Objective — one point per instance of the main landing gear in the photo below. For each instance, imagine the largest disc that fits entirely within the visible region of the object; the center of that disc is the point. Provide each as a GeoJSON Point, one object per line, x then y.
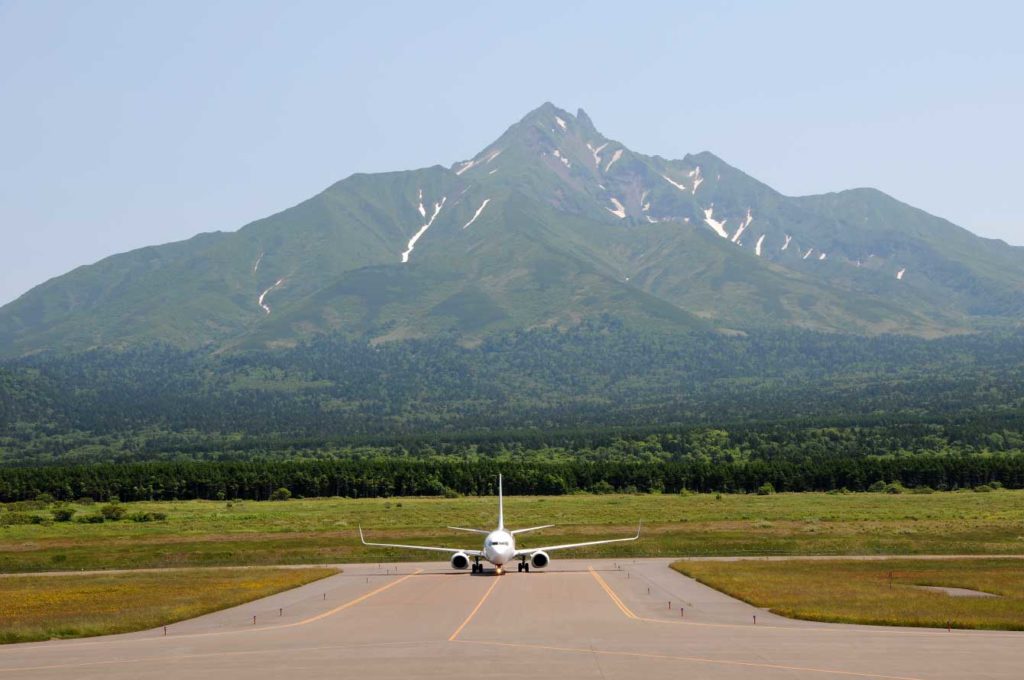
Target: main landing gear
{"type": "Point", "coordinates": [477, 567]}
{"type": "Point", "coordinates": [524, 566]}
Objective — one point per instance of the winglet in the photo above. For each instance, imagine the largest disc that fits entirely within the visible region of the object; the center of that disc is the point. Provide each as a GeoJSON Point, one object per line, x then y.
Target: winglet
{"type": "Point", "coordinates": [361, 535]}
{"type": "Point", "coordinates": [639, 526]}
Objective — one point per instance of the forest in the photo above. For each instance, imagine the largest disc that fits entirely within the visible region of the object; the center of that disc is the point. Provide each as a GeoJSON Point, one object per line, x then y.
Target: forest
{"type": "Point", "coordinates": [597, 407]}
{"type": "Point", "coordinates": [158, 402]}
{"type": "Point", "coordinates": [437, 476]}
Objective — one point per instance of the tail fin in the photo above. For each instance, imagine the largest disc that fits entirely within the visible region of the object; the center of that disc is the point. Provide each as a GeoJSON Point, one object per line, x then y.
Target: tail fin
{"type": "Point", "coordinates": [501, 506]}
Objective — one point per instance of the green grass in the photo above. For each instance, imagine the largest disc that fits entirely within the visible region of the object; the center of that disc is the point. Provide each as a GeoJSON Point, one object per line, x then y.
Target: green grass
{"type": "Point", "coordinates": [848, 591]}
{"type": "Point", "coordinates": [82, 605]}
{"type": "Point", "coordinates": [207, 533]}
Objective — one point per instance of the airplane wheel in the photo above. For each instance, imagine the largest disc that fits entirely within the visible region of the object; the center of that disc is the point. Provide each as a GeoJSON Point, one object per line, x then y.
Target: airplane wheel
{"type": "Point", "coordinates": [519, 567]}
{"type": "Point", "coordinates": [526, 567]}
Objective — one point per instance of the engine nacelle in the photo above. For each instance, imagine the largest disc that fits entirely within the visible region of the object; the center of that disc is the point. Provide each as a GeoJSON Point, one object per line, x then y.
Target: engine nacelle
{"type": "Point", "coordinates": [460, 561]}
{"type": "Point", "coordinates": [539, 559]}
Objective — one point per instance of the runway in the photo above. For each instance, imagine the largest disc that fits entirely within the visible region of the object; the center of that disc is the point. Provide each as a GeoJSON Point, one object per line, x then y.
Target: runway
{"type": "Point", "coordinates": [579, 618]}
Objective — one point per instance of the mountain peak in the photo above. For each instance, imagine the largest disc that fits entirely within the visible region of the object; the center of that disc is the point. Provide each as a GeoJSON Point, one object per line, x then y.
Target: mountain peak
{"type": "Point", "coordinates": [550, 224]}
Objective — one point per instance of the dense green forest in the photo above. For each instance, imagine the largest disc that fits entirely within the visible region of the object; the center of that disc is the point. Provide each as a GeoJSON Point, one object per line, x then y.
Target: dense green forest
{"type": "Point", "coordinates": [436, 475]}
{"type": "Point", "coordinates": [566, 389]}
{"type": "Point", "coordinates": [597, 408]}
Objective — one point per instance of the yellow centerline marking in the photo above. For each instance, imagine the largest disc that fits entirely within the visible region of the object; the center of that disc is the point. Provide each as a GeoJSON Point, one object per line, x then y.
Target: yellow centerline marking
{"type": "Point", "coordinates": [611, 593]}
{"type": "Point", "coordinates": [692, 659]}
{"type": "Point", "coordinates": [839, 628]}
{"type": "Point", "coordinates": [475, 610]}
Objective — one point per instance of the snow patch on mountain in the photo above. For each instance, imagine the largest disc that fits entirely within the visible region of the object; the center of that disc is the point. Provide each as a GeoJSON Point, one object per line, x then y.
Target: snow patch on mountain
{"type": "Point", "coordinates": [493, 155]}
{"type": "Point", "coordinates": [743, 227]}
{"type": "Point", "coordinates": [789, 239]}
{"type": "Point", "coordinates": [256, 266]}
{"type": "Point", "coordinates": [465, 166]}
{"type": "Point", "coordinates": [561, 123]}
{"type": "Point", "coordinates": [698, 179]}
{"type": "Point", "coordinates": [759, 244]}
{"type": "Point", "coordinates": [900, 273]}
{"type": "Point", "coordinates": [644, 204]}
{"type": "Point", "coordinates": [265, 307]}
{"type": "Point", "coordinates": [823, 257]}
{"type": "Point", "coordinates": [596, 153]}
{"type": "Point", "coordinates": [423, 229]}
{"type": "Point", "coordinates": [808, 253]}
{"type": "Point", "coordinates": [620, 210]}
{"type": "Point", "coordinates": [423, 211]}
{"type": "Point", "coordinates": [674, 183]}
{"type": "Point", "coordinates": [477, 213]}
{"type": "Point", "coordinates": [565, 161]}
{"type": "Point", "coordinates": [615, 156]}
{"type": "Point", "coordinates": [719, 227]}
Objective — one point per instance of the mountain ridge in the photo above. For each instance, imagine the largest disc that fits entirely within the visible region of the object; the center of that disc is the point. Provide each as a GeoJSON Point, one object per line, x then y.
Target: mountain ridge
{"type": "Point", "coordinates": [549, 224]}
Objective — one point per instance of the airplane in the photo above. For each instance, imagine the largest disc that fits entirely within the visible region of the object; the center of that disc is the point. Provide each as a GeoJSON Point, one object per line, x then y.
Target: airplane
{"type": "Point", "coordinates": [500, 546]}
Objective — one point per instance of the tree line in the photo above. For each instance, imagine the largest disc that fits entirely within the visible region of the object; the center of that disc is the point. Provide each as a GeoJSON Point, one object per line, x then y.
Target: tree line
{"type": "Point", "coordinates": [435, 476]}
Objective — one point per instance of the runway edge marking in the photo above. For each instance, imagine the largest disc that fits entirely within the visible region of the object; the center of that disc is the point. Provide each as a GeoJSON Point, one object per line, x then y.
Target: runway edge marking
{"type": "Point", "coordinates": [479, 604]}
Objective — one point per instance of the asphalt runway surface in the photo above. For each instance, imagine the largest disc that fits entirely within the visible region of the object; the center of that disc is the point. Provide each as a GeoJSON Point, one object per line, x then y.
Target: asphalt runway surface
{"type": "Point", "coordinates": [579, 618]}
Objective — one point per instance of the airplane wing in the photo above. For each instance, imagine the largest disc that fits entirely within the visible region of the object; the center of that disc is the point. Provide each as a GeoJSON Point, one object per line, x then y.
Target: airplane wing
{"type": "Point", "coordinates": [450, 551]}
{"type": "Point", "coordinates": [523, 531]}
{"type": "Point", "coordinates": [549, 548]}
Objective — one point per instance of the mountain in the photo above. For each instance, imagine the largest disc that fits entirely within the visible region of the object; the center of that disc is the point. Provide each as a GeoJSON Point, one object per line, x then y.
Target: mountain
{"type": "Point", "coordinates": [550, 225]}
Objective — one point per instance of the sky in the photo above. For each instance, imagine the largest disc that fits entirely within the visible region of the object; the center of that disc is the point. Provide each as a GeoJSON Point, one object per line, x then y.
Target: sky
{"type": "Point", "coordinates": [125, 124]}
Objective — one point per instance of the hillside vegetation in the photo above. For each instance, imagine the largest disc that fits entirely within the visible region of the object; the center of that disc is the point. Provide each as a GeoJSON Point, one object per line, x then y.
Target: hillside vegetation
{"type": "Point", "coordinates": [570, 390]}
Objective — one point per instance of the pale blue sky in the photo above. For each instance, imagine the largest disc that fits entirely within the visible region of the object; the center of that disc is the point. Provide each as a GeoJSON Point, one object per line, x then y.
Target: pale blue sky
{"type": "Point", "coordinates": [125, 124]}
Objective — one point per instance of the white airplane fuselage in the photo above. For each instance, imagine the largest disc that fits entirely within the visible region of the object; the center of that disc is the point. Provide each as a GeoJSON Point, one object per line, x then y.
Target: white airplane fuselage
{"type": "Point", "coordinates": [499, 547]}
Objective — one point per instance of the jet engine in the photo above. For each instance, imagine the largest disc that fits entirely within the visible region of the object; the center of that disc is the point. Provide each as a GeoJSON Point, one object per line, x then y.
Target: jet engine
{"type": "Point", "coordinates": [539, 559]}
{"type": "Point", "coordinates": [460, 561]}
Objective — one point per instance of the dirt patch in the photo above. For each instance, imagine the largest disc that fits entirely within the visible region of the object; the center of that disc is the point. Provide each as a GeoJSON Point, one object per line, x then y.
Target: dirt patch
{"type": "Point", "coordinates": [956, 592]}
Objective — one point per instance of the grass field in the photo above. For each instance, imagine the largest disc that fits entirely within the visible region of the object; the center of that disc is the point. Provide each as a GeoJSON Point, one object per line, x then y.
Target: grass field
{"type": "Point", "coordinates": [67, 606]}
{"type": "Point", "coordinates": [862, 591]}
{"type": "Point", "coordinates": [208, 533]}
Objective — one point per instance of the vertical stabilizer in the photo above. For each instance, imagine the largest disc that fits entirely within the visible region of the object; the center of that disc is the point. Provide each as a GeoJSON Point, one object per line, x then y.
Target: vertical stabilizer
{"type": "Point", "coordinates": [501, 506]}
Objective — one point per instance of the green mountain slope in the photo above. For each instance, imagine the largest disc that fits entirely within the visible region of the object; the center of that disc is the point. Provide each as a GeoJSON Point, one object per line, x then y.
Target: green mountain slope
{"type": "Point", "coordinates": [548, 226]}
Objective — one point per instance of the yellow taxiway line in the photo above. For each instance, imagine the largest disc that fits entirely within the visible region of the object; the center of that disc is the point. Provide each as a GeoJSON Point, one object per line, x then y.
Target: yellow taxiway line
{"type": "Point", "coordinates": [479, 604]}
{"type": "Point", "coordinates": [350, 603]}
